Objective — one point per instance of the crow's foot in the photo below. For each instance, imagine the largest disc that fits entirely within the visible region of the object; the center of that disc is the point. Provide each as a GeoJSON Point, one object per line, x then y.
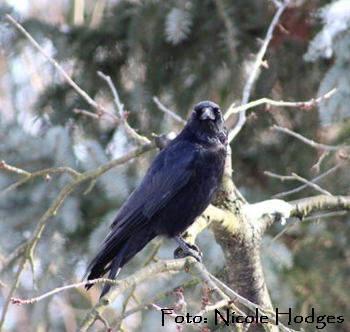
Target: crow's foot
{"type": "Point", "coordinates": [187, 249]}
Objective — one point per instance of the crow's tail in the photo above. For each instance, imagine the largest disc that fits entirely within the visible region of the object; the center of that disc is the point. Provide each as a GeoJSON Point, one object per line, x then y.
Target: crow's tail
{"type": "Point", "coordinates": [115, 254]}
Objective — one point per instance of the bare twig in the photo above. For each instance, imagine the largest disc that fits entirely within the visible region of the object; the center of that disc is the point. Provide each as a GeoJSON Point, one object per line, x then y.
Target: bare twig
{"type": "Point", "coordinates": [255, 70]}
{"type": "Point", "coordinates": [32, 300]}
{"type": "Point", "coordinates": [308, 105]}
{"type": "Point", "coordinates": [99, 108]}
{"type": "Point", "coordinates": [52, 210]}
{"type": "Point", "coordinates": [13, 256]}
{"type": "Point", "coordinates": [316, 179]}
{"type": "Point", "coordinates": [316, 167]}
{"type": "Point", "coordinates": [147, 272]}
{"type": "Point", "coordinates": [168, 111]}
{"type": "Point", "coordinates": [297, 177]}
{"type": "Point", "coordinates": [122, 116]}
{"type": "Point", "coordinates": [13, 169]}
{"type": "Point", "coordinates": [247, 303]}
{"type": "Point", "coordinates": [29, 176]}
{"type": "Point", "coordinates": [327, 215]}
{"type": "Point", "coordinates": [310, 142]}
{"type": "Point", "coordinates": [279, 177]}
{"type": "Point", "coordinates": [96, 116]}
{"type": "Point", "coordinates": [146, 304]}
{"type": "Point", "coordinates": [312, 185]}
{"type": "Point", "coordinates": [14, 285]}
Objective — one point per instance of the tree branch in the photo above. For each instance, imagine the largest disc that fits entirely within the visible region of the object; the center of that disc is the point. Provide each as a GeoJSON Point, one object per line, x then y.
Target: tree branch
{"type": "Point", "coordinates": [307, 206]}
{"type": "Point", "coordinates": [316, 179]}
{"type": "Point", "coordinates": [310, 142]}
{"type": "Point", "coordinates": [307, 105]}
{"type": "Point", "coordinates": [255, 71]}
{"type": "Point", "coordinates": [297, 177]}
{"type": "Point", "coordinates": [26, 176]}
{"type": "Point", "coordinates": [134, 279]}
{"type": "Point", "coordinates": [16, 300]}
{"type": "Point", "coordinates": [168, 111]}
{"type": "Point", "coordinates": [52, 210]}
{"type": "Point", "coordinates": [267, 212]}
{"type": "Point", "coordinates": [122, 116]}
{"type": "Point", "coordinates": [99, 108]}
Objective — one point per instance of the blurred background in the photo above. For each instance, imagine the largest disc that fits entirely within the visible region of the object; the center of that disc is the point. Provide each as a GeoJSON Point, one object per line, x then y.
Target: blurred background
{"type": "Point", "coordinates": [181, 52]}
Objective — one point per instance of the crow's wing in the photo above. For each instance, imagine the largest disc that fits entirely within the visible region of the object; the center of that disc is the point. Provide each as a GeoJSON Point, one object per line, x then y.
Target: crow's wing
{"type": "Point", "coordinates": [168, 174]}
{"type": "Point", "coordinates": [130, 232]}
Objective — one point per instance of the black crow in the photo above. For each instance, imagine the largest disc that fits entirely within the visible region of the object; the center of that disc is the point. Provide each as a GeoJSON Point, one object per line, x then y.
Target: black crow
{"type": "Point", "coordinates": [176, 189]}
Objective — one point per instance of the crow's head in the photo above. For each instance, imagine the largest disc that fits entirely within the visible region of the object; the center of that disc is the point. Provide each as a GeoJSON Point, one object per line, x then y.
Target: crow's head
{"type": "Point", "coordinates": [206, 119]}
{"type": "Point", "coordinates": [207, 111]}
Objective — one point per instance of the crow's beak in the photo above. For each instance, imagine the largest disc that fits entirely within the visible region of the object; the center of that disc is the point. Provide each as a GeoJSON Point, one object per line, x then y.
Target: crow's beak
{"type": "Point", "coordinates": [207, 114]}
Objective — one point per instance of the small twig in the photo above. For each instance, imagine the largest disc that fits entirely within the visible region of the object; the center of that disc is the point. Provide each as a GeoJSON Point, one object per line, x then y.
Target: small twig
{"type": "Point", "coordinates": [316, 167]}
{"type": "Point", "coordinates": [307, 105]}
{"type": "Point", "coordinates": [13, 169]}
{"type": "Point", "coordinates": [120, 108]}
{"type": "Point", "coordinates": [29, 176]}
{"type": "Point", "coordinates": [255, 71]}
{"type": "Point", "coordinates": [15, 300]}
{"type": "Point", "coordinates": [293, 191]}
{"type": "Point", "coordinates": [104, 322]}
{"type": "Point", "coordinates": [159, 308]}
{"type": "Point", "coordinates": [147, 272]}
{"type": "Point", "coordinates": [13, 256]}
{"type": "Point", "coordinates": [279, 177]}
{"type": "Point", "coordinates": [310, 184]}
{"type": "Point", "coordinates": [147, 261]}
{"type": "Point", "coordinates": [247, 303]}
{"type": "Point", "coordinates": [168, 111]}
{"type": "Point", "coordinates": [148, 303]}
{"type": "Point", "coordinates": [52, 210]}
{"type": "Point", "coordinates": [284, 230]}
{"type": "Point", "coordinates": [99, 108]}
{"type": "Point", "coordinates": [327, 215]}
{"type": "Point", "coordinates": [96, 116]}
{"type": "Point", "coordinates": [308, 141]}
{"type": "Point", "coordinates": [297, 177]}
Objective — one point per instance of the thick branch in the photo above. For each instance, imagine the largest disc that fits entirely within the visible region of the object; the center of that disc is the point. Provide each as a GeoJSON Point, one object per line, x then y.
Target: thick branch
{"type": "Point", "coordinates": [267, 212]}
{"type": "Point", "coordinates": [321, 203]}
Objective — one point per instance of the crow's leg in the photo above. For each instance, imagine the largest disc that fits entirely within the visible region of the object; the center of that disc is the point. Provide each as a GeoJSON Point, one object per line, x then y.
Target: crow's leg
{"type": "Point", "coordinates": [186, 249]}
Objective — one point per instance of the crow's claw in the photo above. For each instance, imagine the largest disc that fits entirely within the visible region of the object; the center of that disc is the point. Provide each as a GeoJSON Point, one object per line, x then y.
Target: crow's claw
{"type": "Point", "coordinates": [180, 253]}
